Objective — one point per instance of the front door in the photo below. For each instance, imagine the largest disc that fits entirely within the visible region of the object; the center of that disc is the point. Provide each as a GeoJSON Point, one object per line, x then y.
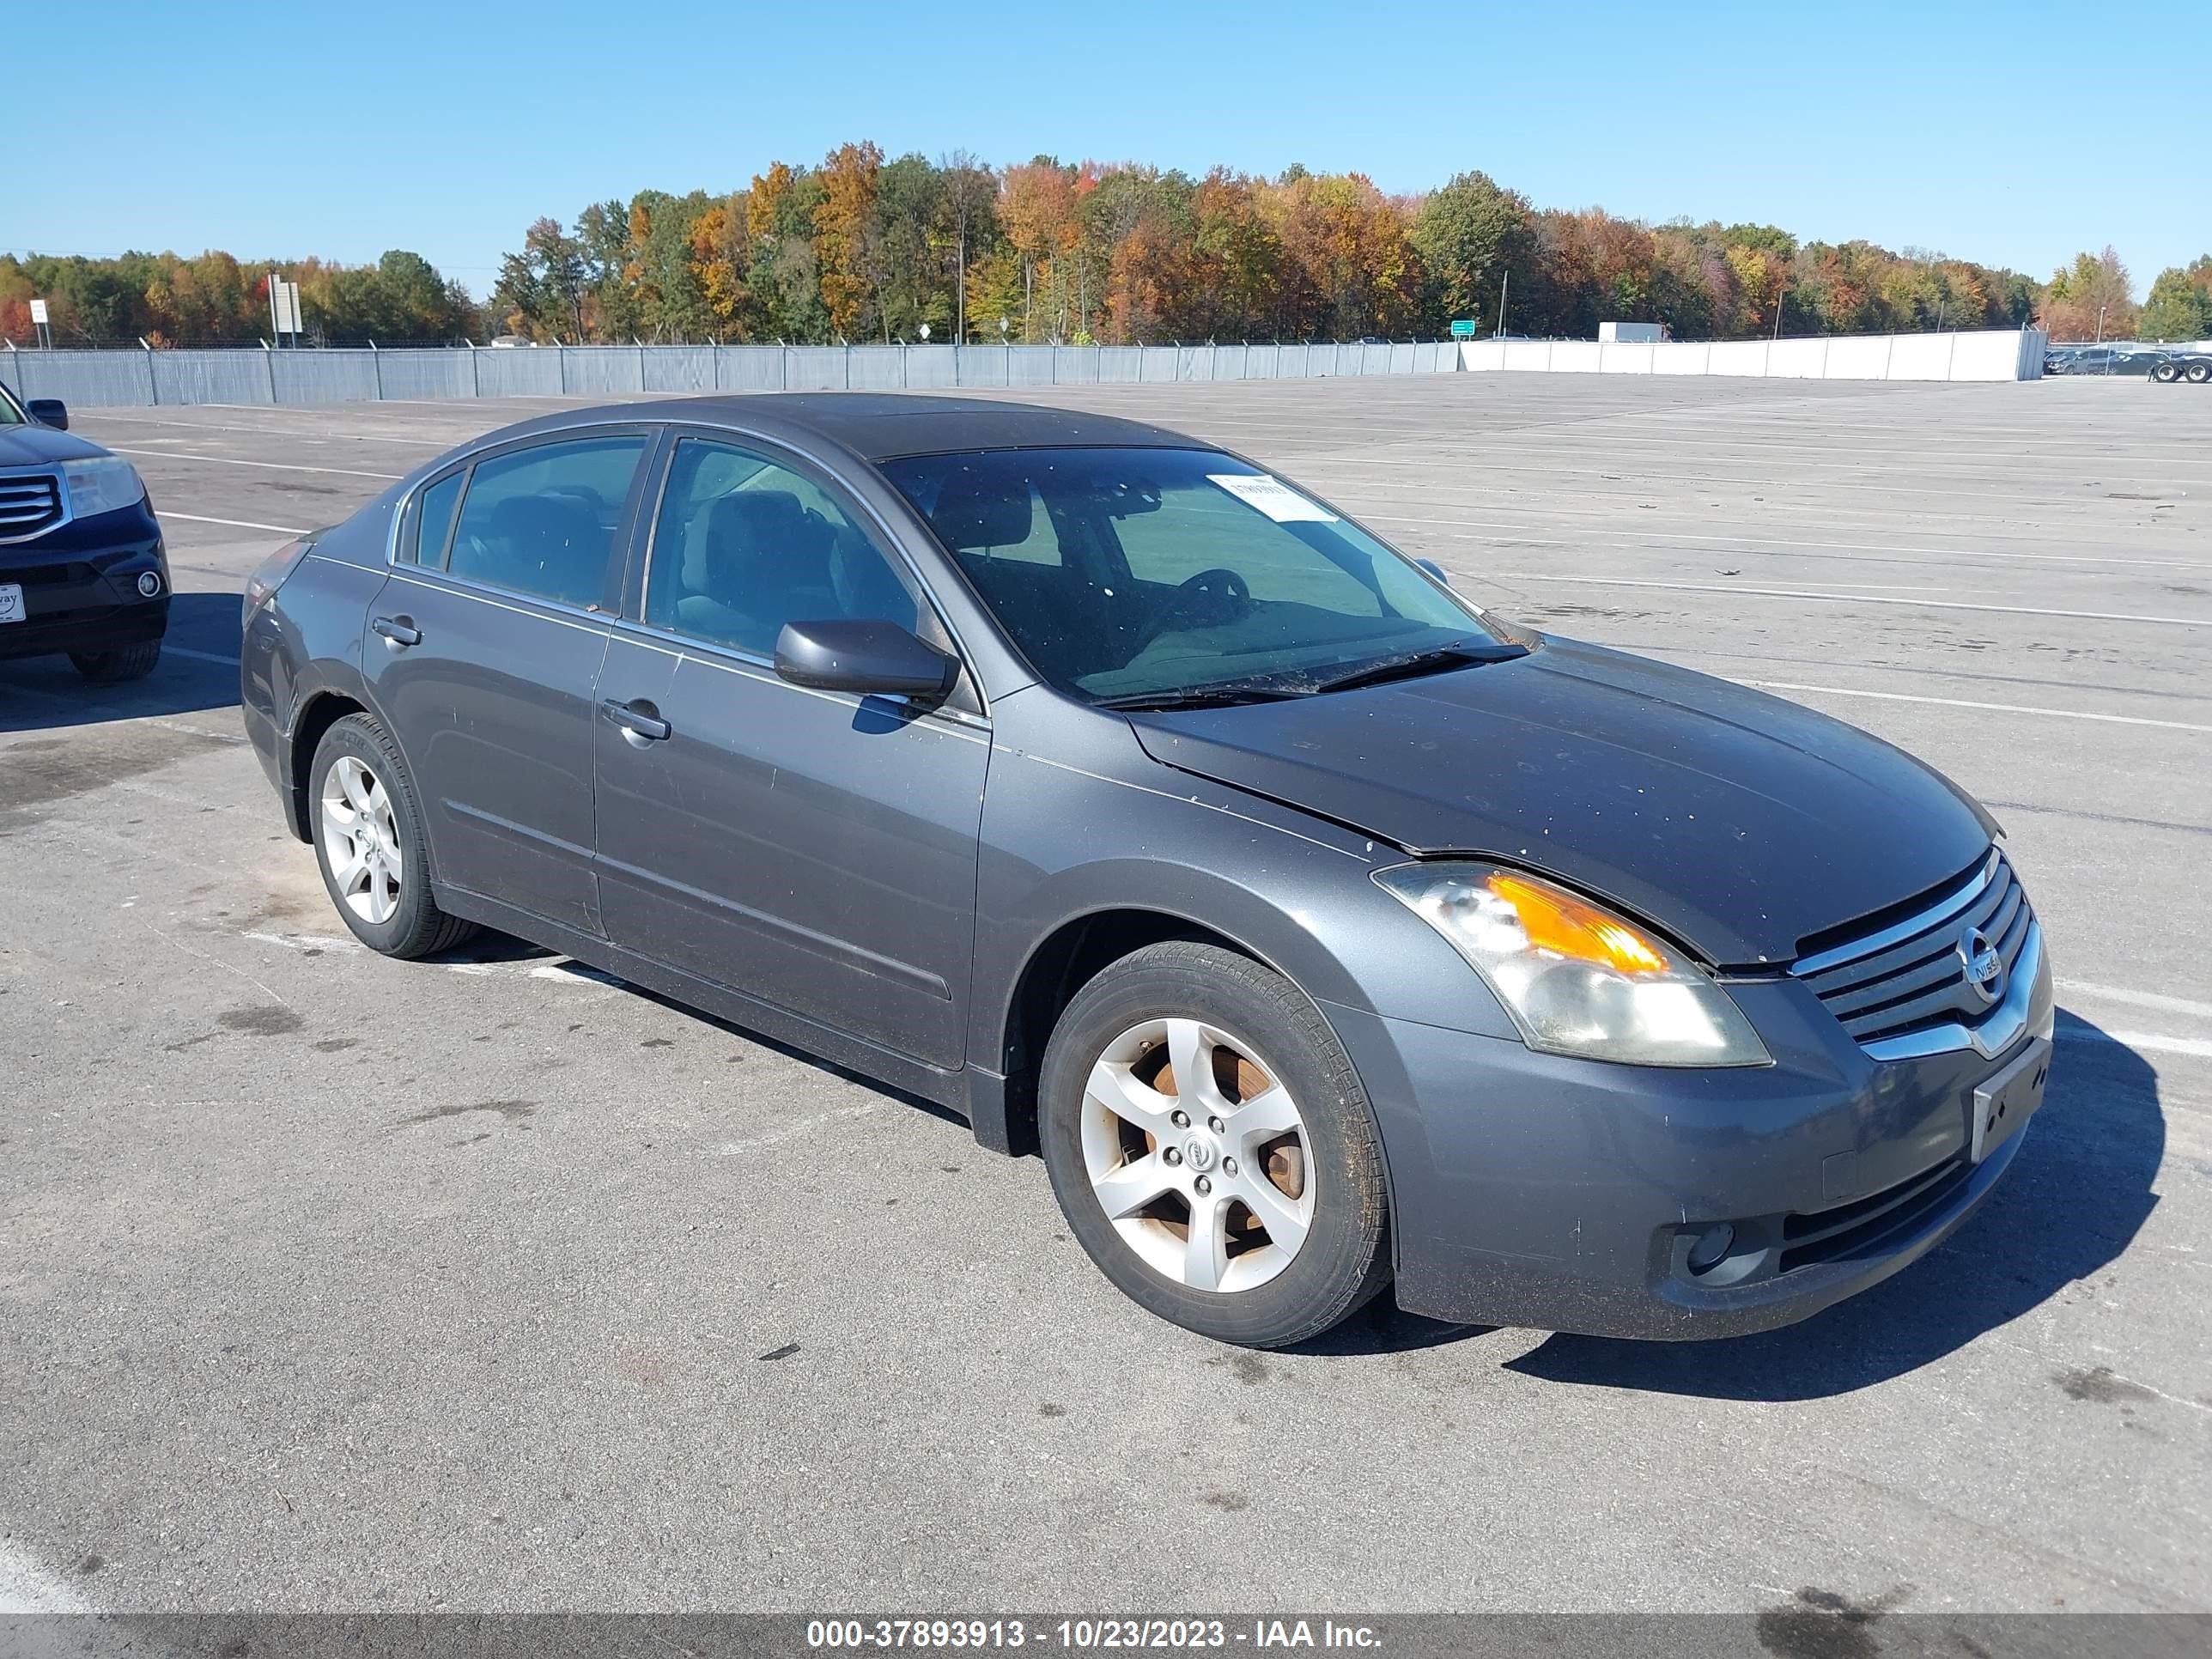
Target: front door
{"type": "Point", "coordinates": [484, 650]}
{"type": "Point", "coordinates": [811, 849]}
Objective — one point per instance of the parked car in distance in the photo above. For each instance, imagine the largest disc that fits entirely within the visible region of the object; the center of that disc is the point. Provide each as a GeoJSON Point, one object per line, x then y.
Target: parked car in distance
{"type": "Point", "coordinates": [82, 571]}
{"type": "Point", "coordinates": [2103, 360]}
{"type": "Point", "coordinates": [1322, 930]}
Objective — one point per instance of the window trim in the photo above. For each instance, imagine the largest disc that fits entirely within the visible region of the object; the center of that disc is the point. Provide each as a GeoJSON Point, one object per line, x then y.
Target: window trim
{"type": "Point", "coordinates": [638, 581]}
{"type": "Point", "coordinates": [619, 549]}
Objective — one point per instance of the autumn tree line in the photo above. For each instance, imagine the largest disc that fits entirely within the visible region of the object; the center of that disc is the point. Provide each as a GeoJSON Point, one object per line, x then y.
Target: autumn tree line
{"type": "Point", "coordinates": [861, 248]}
{"type": "Point", "coordinates": [215, 300]}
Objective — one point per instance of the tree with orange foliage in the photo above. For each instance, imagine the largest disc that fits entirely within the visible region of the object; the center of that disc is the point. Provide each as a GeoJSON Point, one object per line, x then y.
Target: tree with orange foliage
{"type": "Point", "coordinates": [1036, 204]}
{"type": "Point", "coordinates": [844, 232]}
{"type": "Point", "coordinates": [1350, 268]}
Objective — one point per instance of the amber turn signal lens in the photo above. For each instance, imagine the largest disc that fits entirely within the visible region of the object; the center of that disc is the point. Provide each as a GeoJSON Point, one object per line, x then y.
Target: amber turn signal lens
{"type": "Point", "coordinates": [1557, 921]}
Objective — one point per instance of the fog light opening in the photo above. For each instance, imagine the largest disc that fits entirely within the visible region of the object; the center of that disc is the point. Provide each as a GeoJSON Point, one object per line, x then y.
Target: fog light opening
{"type": "Point", "coordinates": [149, 584]}
{"type": "Point", "coordinates": [1712, 1248]}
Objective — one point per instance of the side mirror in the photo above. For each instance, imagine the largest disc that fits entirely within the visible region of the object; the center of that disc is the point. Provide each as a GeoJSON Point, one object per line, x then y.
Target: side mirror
{"type": "Point", "coordinates": [48, 411]}
{"type": "Point", "coordinates": [866, 657]}
{"type": "Point", "coordinates": [1434, 569]}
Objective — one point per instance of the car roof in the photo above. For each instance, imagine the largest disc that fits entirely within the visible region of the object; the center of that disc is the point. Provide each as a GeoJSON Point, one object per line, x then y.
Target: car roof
{"type": "Point", "coordinates": [881, 426]}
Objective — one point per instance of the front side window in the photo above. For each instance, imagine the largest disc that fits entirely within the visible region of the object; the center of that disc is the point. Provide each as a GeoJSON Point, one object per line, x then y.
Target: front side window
{"type": "Point", "coordinates": [1126, 573]}
{"type": "Point", "coordinates": [742, 545]}
{"type": "Point", "coordinates": [542, 521]}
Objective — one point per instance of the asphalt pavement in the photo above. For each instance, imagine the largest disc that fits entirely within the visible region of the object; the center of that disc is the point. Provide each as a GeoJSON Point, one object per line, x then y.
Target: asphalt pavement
{"type": "Point", "coordinates": [331, 1283]}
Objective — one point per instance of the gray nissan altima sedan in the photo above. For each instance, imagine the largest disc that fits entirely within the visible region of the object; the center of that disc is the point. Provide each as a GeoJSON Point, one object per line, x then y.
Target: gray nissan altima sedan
{"type": "Point", "coordinates": [1322, 930]}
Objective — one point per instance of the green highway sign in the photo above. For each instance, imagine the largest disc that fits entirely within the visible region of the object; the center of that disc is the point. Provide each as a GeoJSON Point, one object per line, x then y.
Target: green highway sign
{"type": "Point", "coordinates": [1462, 328]}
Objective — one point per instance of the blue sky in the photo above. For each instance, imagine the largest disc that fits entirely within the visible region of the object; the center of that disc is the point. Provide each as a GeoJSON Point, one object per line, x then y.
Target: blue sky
{"type": "Point", "coordinates": [2014, 134]}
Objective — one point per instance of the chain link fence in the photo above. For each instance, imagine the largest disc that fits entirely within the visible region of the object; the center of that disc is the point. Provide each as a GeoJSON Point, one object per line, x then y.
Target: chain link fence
{"type": "Point", "coordinates": [122, 378]}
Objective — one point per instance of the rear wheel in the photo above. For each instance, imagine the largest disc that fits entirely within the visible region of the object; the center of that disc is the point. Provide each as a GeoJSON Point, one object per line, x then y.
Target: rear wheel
{"type": "Point", "coordinates": [124, 662]}
{"type": "Point", "coordinates": [2199, 372]}
{"type": "Point", "coordinates": [368, 840]}
{"type": "Point", "coordinates": [1211, 1148]}
{"type": "Point", "coordinates": [2165, 374]}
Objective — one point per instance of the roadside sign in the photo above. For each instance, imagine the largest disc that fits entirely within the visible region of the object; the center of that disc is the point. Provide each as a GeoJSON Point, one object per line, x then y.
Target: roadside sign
{"type": "Point", "coordinates": [1462, 328]}
{"type": "Point", "coordinates": [38, 310]}
{"type": "Point", "coordinates": [283, 306]}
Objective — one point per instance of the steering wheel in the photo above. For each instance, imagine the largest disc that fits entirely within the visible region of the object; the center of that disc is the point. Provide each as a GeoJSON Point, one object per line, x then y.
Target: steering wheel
{"type": "Point", "coordinates": [1214, 596]}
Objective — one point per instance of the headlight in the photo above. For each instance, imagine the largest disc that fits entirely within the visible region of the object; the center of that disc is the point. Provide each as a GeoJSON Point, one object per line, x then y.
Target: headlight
{"type": "Point", "coordinates": [1577, 978]}
{"type": "Point", "coordinates": [102, 484]}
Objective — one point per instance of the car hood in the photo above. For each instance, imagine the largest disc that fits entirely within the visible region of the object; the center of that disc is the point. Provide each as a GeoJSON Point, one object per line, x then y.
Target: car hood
{"type": "Point", "coordinates": [42, 446]}
{"type": "Point", "coordinates": [1737, 822]}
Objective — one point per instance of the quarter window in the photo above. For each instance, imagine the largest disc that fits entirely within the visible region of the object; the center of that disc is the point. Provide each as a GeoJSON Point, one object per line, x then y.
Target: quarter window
{"type": "Point", "coordinates": [425, 541]}
{"type": "Point", "coordinates": [742, 545]}
{"type": "Point", "coordinates": [542, 521]}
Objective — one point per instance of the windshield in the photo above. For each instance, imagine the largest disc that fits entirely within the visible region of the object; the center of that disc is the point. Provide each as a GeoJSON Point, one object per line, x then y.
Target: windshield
{"type": "Point", "coordinates": [1129, 573]}
{"type": "Point", "coordinates": [11, 414]}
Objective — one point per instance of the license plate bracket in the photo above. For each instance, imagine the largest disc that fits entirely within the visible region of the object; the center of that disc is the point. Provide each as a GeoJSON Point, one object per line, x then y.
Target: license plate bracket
{"type": "Point", "coordinates": [2004, 1103]}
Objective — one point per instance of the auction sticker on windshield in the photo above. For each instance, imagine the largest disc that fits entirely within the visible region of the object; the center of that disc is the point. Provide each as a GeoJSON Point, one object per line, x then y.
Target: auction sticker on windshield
{"type": "Point", "coordinates": [11, 602]}
{"type": "Point", "coordinates": [1273, 497]}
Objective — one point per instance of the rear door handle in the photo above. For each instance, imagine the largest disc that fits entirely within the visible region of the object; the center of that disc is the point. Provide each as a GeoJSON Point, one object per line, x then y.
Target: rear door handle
{"type": "Point", "coordinates": [399, 631]}
{"type": "Point", "coordinates": [639, 719]}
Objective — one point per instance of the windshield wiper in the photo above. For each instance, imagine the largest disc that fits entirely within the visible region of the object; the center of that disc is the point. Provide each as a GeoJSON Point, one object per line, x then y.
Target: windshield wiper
{"type": "Point", "coordinates": [1412, 663]}
{"type": "Point", "coordinates": [1203, 696]}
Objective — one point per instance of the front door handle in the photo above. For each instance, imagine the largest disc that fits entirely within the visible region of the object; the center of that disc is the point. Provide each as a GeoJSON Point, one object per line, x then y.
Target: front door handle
{"type": "Point", "coordinates": [638, 718]}
{"type": "Point", "coordinates": [399, 631]}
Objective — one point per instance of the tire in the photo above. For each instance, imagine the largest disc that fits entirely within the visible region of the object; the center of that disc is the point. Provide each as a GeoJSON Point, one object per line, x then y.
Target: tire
{"type": "Point", "coordinates": [382, 892]}
{"type": "Point", "coordinates": [1319, 1183]}
{"type": "Point", "coordinates": [2166, 373]}
{"type": "Point", "coordinates": [2198, 374]}
{"type": "Point", "coordinates": [124, 662]}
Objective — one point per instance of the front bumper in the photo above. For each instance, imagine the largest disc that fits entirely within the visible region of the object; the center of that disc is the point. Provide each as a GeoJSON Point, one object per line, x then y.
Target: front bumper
{"type": "Point", "coordinates": [81, 586]}
{"type": "Point", "coordinates": [1569, 1195]}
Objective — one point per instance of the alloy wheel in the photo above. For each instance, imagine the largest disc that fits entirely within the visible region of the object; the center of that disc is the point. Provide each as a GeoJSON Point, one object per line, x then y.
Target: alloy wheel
{"type": "Point", "coordinates": [360, 840]}
{"type": "Point", "coordinates": [1198, 1155]}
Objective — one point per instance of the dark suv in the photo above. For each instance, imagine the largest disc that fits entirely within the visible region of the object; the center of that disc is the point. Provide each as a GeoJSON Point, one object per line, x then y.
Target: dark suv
{"type": "Point", "coordinates": [81, 567]}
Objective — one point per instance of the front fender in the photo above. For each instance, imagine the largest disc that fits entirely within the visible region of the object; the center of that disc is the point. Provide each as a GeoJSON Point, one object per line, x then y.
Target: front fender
{"type": "Point", "coordinates": [1093, 826]}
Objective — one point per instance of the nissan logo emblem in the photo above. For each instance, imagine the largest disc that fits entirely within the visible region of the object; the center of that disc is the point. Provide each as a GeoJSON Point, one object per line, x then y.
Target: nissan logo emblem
{"type": "Point", "coordinates": [1984, 967]}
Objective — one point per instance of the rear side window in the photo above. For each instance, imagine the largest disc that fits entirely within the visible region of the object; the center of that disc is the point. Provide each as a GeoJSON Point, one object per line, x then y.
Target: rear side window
{"type": "Point", "coordinates": [425, 542]}
{"type": "Point", "coordinates": [542, 521]}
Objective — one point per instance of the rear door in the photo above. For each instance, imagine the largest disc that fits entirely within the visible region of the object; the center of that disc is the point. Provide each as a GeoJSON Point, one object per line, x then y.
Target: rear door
{"type": "Point", "coordinates": [812, 849]}
{"type": "Point", "coordinates": [484, 652]}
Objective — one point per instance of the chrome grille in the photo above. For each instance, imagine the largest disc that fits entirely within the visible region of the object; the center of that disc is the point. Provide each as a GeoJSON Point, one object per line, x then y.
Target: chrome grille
{"type": "Point", "coordinates": [29, 502]}
{"type": "Point", "coordinates": [1912, 976]}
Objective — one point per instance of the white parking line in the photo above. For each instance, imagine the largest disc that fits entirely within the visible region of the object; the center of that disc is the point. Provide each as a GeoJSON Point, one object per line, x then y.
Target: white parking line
{"type": "Point", "coordinates": [2148, 1042]}
{"type": "Point", "coordinates": [199, 656]}
{"type": "Point", "coordinates": [1842, 599]}
{"type": "Point", "coordinates": [26, 1588]}
{"type": "Point", "coordinates": [299, 434]}
{"type": "Point", "coordinates": [271, 466]}
{"type": "Point", "coordinates": [236, 524]}
{"type": "Point", "coordinates": [2137, 999]}
{"type": "Point", "coordinates": [1963, 703]}
{"type": "Point", "coordinates": [1661, 538]}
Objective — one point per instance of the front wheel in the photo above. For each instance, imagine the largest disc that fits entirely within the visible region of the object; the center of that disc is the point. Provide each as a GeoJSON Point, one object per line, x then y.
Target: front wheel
{"type": "Point", "coordinates": [369, 842]}
{"type": "Point", "coordinates": [1211, 1148]}
{"type": "Point", "coordinates": [2166, 373]}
